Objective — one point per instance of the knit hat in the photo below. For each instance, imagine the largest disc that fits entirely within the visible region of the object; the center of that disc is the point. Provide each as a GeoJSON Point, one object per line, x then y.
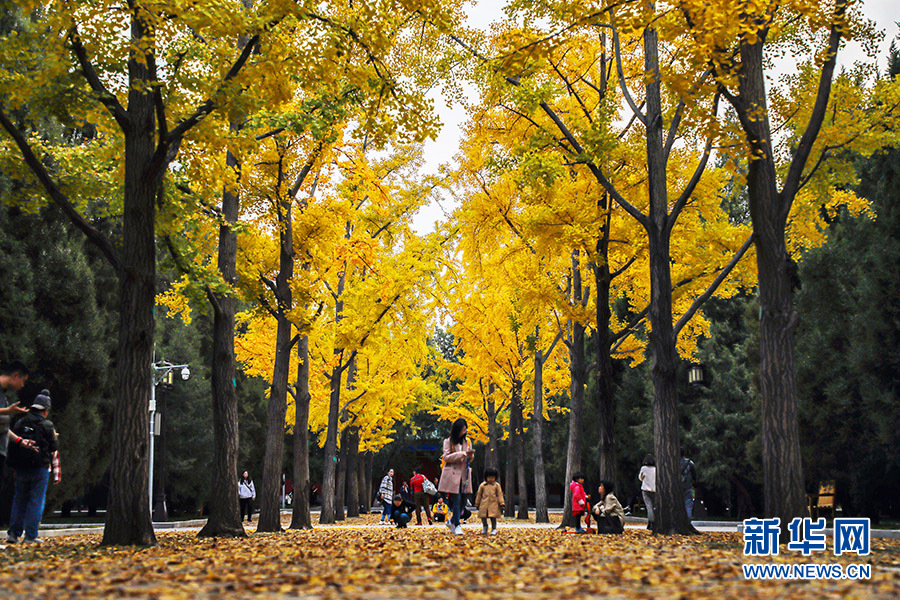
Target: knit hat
{"type": "Point", "coordinates": [42, 402]}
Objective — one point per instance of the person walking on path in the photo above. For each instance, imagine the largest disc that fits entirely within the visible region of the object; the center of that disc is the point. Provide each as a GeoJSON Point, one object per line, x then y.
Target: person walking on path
{"type": "Point", "coordinates": [12, 379]}
{"type": "Point", "coordinates": [420, 497]}
{"type": "Point", "coordinates": [648, 488]}
{"type": "Point", "coordinates": [246, 495]}
{"type": "Point", "coordinates": [688, 476]}
{"type": "Point", "coordinates": [489, 500]}
{"type": "Point", "coordinates": [456, 477]}
{"type": "Point", "coordinates": [579, 500]}
{"type": "Point", "coordinates": [386, 495]}
{"type": "Point", "coordinates": [32, 470]}
{"type": "Point", "coordinates": [608, 513]}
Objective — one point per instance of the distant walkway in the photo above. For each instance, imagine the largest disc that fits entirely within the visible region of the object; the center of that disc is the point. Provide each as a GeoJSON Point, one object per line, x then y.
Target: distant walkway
{"type": "Point", "coordinates": [53, 530]}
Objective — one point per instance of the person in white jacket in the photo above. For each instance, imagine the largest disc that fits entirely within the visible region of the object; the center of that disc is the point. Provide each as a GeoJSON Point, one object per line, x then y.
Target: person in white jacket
{"type": "Point", "coordinates": [648, 488]}
{"type": "Point", "coordinates": [246, 494]}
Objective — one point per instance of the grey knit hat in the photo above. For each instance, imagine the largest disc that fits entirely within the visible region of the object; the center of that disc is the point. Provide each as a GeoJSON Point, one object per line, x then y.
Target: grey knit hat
{"type": "Point", "coordinates": [42, 402]}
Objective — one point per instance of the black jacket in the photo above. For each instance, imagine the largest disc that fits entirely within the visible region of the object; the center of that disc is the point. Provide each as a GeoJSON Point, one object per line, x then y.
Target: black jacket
{"type": "Point", "coordinates": [33, 426]}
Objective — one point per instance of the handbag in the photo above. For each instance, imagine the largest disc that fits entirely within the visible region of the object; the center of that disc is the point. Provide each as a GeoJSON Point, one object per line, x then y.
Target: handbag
{"type": "Point", "coordinates": [429, 488]}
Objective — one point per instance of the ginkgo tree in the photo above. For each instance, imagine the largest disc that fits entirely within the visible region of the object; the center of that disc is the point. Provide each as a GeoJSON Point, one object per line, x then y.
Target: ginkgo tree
{"type": "Point", "coordinates": [798, 134]}
{"type": "Point", "coordinates": [141, 78]}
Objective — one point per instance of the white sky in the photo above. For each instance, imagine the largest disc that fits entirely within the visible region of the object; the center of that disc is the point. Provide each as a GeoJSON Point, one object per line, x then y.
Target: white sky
{"type": "Point", "coordinates": [885, 13]}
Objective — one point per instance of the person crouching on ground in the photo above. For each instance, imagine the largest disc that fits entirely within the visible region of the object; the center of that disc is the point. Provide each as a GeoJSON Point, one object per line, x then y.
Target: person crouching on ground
{"type": "Point", "coordinates": [608, 513]}
{"type": "Point", "coordinates": [401, 511]}
{"type": "Point", "coordinates": [489, 500]}
{"type": "Point", "coordinates": [579, 500]}
{"type": "Point", "coordinates": [440, 510]}
{"type": "Point", "coordinates": [32, 470]}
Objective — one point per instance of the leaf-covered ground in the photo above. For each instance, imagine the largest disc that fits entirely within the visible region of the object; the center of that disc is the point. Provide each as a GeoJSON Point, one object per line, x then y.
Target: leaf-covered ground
{"type": "Point", "coordinates": [427, 562]}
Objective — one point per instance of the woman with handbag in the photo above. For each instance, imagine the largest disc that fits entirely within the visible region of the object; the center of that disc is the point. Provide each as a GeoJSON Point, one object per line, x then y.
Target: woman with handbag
{"type": "Point", "coordinates": [386, 495]}
{"type": "Point", "coordinates": [456, 477]}
{"type": "Point", "coordinates": [421, 496]}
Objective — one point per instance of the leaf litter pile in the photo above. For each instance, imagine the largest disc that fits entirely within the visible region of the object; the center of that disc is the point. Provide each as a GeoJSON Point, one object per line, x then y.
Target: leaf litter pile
{"type": "Point", "coordinates": [385, 562]}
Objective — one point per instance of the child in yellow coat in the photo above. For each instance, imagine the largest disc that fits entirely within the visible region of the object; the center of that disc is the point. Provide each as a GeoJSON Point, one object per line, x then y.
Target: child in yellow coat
{"type": "Point", "coordinates": [489, 500]}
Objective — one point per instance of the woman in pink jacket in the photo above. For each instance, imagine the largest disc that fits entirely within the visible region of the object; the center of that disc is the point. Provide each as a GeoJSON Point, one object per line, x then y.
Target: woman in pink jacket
{"type": "Point", "coordinates": [456, 477]}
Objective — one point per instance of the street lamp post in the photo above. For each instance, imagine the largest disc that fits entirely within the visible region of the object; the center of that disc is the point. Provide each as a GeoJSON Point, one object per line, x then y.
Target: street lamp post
{"type": "Point", "coordinates": [162, 371]}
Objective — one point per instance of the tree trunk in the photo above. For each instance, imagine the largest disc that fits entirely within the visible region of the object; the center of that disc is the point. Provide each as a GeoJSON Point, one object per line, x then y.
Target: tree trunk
{"type": "Point", "coordinates": [128, 509]}
{"type": "Point", "coordinates": [330, 471]}
{"type": "Point", "coordinates": [270, 492]}
{"type": "Point", "coordinates": [606, 401]}
{"type": "Point", "coordinates": [340, 494]}
{"type": "Point", "coordinates": [577, 370]}
{"type": "Point", "coordinates": [783, 491]}
{"type": "Point", "coordinates": [353, 473]}
{"type": "Point", "coordinates": [367, 493]}
{"type": "Point", "coordinates": [519, 446]}
{"type": "Point", "coordinates": [509, 481]}
{"type": "Point", "coordinates": [300, 517]}
{"type": "Point", "coordinates": [671, 516]}
{"type": "Point", "coordinates": [541, 514]}
{"type": "Point", "coordinates": [492, 452]}
{"type": "Point", "coordinates": [273, 464]}
{"type": "Point", "coordinates": [327, 516]}
{"type": "Point", "coordinates": [224, 516]}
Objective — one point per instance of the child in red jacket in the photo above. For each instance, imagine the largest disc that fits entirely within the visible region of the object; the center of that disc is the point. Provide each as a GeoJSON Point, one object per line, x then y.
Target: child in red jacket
{"type": "Point", "coordinates": [579, 500]}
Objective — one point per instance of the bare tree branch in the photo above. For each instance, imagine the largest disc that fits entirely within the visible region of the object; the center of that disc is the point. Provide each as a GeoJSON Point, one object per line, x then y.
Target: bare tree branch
{"type": "Point", "coordinates": [107, 98]}
{"type": "Point", "coordinates": [93, 234]}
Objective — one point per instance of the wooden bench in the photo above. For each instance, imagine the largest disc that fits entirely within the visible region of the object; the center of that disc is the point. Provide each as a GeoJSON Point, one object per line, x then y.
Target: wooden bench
{"type": "Point", "coordinates": [823, 501]}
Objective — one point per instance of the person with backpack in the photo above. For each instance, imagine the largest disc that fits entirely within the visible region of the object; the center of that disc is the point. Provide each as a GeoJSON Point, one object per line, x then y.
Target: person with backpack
{"type": "Point", "coordinates": [688, 476]}
{"type": "Point", "coordinates": [421, 496]}
{"type": "Point", "coordinates": [12, 379]}
{"type": "Point", "coordinates": [32, 469]}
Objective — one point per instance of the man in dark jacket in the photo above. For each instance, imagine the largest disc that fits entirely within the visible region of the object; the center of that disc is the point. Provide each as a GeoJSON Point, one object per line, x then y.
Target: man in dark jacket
{"type": "Point", "coordinates": [401, 511]}
{"type": "Point", "coordinates": [32, 470]}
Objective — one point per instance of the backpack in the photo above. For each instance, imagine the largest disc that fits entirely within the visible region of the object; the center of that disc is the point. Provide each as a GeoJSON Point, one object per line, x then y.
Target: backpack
{"type": "Point", "coordinates": [26, 458]}
{"type": "Point", "coordinates": [429, 488]}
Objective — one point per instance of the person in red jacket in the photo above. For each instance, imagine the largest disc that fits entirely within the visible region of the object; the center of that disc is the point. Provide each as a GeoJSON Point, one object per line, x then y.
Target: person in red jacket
{"type": "Point", "coordinates": [579, 500]}
{"type": "Point", "coordinates": [421, 499]}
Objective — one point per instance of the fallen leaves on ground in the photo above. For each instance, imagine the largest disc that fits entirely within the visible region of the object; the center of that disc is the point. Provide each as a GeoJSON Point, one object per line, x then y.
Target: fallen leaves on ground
{"type": "Point", "coordinates": [385, 562]}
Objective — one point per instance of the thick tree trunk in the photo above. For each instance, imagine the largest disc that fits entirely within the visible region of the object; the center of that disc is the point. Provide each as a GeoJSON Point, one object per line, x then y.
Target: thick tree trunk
{"type": "Point", "coordinates": [340, 494]}
{"type": "Point", "coordinates": [578, 373]}
{"type": "Point", "coordinates": [329, 474]}
{"type": "Point", "coordinates": [270, 492]}
{"type": "Point", "coordinates": [270, 498]}
{"type": "Point", "coordinates": [224, 517]}
{"type": "Point", "coordinates": [671, 516]}
{"type": "Point", "coordinates": [353, 473]}
{"type": "Point", "coordinates": [541, 514]}
{"type": "Point", "coordinates": [783, 489]}
{"type": "Point", "coordinates": [128, 509]}
{"type": "Point", "coordinates": [519, 446]}
{"type": "Point", "coordinates": [606, 401]}
{"type": "Point", "coordinates": [331, 451]}
{"type": "Point", "coordinates": [300, 517]}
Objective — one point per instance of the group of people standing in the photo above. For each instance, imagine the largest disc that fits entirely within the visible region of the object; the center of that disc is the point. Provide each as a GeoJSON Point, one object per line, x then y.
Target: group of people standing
{"type": "Point", "coordinates": [454, 484]}
{"type": "Point", "coordinates": [28, 444]}
{"type": "Point", "coordinates": [647, 477]}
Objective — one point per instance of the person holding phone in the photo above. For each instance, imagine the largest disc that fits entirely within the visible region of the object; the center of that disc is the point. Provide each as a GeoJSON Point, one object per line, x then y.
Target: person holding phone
{"type": "Point", "coordinates": [456, 476]}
